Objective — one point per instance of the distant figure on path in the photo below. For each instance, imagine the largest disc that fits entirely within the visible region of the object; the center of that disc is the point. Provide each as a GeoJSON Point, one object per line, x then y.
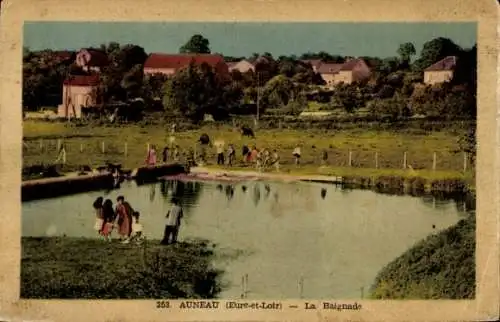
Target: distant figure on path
{"type": "Point", "coordinates": [124, 213]}
{"type": "Point", "coordinates": [231, 155]}
{"type": "Point", "coordinates": [151, 157]}
{"type": "Point", "coordinates": [219, 146]}
{"type": "Point", "coordinates": [109, 218]}
{"type": "Point", "coordinates": [276, 160]}
{"type": "Point", "coordinates": [245, 151]}
{"type": "Point", "coordinates": [324, 159]}
{"type": "Point", "coordinates": [99, 217]}
{"type": "Point", "coordinates": [165, 154]}
{"type": "Point", "coordinates": [296, 154]}
{"type": "Point", "coordinates": [176, 153]}
{"type": "Point", "coordinates": [174, 216]}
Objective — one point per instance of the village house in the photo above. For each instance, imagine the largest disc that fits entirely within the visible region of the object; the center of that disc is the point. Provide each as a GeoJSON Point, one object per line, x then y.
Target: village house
{"type": "Point", "coordinates": [353, 70]}
{"type": "Point", "coordinates": [441, 71]}
{"type": "Point", "coordinates": [329, 72]}
{"type": "Point", "coordinates": [79, 92]}
{"type": "Point", "coordinates": [169, 64]}
{"type": "Point", "coordinates": [91, 60]}
{"type": "Point", "coordinates": [242, 66]}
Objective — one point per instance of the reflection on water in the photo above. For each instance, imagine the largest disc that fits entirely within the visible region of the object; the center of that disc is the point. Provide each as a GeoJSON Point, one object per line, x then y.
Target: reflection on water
{"type": "Point", "coordinates": [334, 241]}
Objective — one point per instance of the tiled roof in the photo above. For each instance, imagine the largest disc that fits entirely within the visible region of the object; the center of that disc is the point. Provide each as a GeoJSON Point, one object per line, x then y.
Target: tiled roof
{"type": "Point", "coordinates": [82, 80]}
{"type": "Point", "coordinates": [329, 68]}
{"type": "Point", "coordinates": [178, 61]}
{"type": "Point", "coordinates": [350, 64]}
{"type": "Point", "coordinates": [447, 63]}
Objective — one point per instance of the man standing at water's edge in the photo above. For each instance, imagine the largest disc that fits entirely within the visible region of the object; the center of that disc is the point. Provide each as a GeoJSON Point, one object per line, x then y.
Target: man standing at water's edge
{"type": "Point", "coordinates": [174, 216]}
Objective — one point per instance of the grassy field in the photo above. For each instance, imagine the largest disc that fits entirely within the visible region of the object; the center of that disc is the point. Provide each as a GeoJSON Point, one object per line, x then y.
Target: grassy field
{"type": "Point", "coordinates": [440, 267]}
{"type": "Point", "coordinates": [371, 152]}
{"type": "Point", "coordinates": [79, 268]}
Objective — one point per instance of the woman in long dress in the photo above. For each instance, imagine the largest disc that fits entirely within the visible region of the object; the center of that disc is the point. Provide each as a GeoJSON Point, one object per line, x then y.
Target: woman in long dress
{"type": "Point", "coordinates": [99, 218]}
{"type": "Point", "coordinates": [109, 218]}
{"type": "Point", "coordinates": [151, 157]}
{"type": "Point", "coordinates": [124, 214]}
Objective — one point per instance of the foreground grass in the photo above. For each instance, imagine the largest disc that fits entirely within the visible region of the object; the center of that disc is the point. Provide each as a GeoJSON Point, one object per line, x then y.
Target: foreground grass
{"type": "Point", "coordinates": [65, 268]}
{"type": "Point", "coordinates": [373, 153]}
{"type": "Point", "coordinates": [442, 266]}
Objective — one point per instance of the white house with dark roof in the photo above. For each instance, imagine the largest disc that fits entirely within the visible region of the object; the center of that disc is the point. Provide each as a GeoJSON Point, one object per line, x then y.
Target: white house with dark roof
{"type": "Point", "coordinates": [441, 71]}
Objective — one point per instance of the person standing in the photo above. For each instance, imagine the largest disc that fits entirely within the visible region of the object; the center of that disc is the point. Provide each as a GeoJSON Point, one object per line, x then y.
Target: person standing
{"type": "Point", "coordinates": [124, 214]}
{"type": "Point", "coordinates": [296, 154]}
{"type": "Point", "coordinates": [109, 218]}
{"type": "Point", "coordinates": [165, 154]}
{"type": "Point", "coordinates": [276, 160]}
{"type": "Point", "coordinates": [219, 146]}
{"type": "Point", "coordinates": [99, 217]}
{"type": "Point", "coordinates": [231, 155]}
{"type": "Point", "coordinates": [174, 216]}
{"type": "Point", "coordinates": [151, 157]}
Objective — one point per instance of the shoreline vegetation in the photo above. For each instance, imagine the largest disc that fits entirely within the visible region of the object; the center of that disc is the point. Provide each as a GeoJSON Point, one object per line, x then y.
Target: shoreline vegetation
{"type": "Point", "coordinates": [84, 268]}
{"type": "Point", "coordinates": [442, 266]}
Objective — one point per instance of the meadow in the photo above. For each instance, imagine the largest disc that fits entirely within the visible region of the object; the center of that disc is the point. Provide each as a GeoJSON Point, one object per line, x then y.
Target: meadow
{"type": "Point", "coordinates": [363, 152]}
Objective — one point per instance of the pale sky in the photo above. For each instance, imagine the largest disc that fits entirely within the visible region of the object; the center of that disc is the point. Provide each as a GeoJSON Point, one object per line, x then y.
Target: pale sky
{"type": "Point", "coordinates": [243, 39]}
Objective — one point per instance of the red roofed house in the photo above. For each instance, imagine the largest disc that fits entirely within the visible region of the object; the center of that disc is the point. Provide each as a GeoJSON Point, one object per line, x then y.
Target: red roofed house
{"type": "Point", "coordinates": [92, 59]}
{"type": "Point", "coordinates": [79, 92]}
{"type": "Point", "coordinates": [441, 71]}
{"type": "Point", "coordinates": [328, 72]}
{"type": "Point", "coordinates": [353, 70]}
{"type": "Point", "coordinates": [169, 64]}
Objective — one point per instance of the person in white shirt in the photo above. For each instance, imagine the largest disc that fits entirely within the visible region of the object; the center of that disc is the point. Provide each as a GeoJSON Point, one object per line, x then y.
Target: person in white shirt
{"type": "Point", "coordinates": [174, 216]}
{"type": "Point", "coordinates": [136, 228]}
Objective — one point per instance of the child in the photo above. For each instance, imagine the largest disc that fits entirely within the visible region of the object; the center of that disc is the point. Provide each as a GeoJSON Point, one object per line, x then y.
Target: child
{"type": "Point", "coordinates": [136, 228]}
{"type": "Point", "coordinates": [109, 218]}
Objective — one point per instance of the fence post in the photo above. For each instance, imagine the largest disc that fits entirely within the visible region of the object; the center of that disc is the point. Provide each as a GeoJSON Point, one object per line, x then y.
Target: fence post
{"type": "Point", "coordinates": [300, 285]}
{"type": "Point", "coordinates": [58, 144]}
{"type": "Point", "coordinates": [350, 158]}
{"type": "Point", "coordinates": [147, 147]}
{"type": "Point", "coordinates": [126, 149]}
{"type": "Point", "coordinates": [81, 147]}
{"type": "Point", "coordinates": [465, 161]}
{"type": "Point", "coordinates": [103, 147]}
{"type": "Point", "coordinates": [41, 144]}
{"type": "Point", "coordinates": [434, 161]}
{"type": "Point", "coordinates": [376, 160]}
{"type": "Point", "coordinates": [404, 160]}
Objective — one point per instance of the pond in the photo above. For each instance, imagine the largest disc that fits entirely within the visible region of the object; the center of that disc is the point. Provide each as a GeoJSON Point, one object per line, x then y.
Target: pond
{"type": "Point", "coordinates": [291, 240]}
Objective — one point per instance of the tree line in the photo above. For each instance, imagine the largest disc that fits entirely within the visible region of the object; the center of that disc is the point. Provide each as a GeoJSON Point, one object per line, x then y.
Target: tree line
{"type": "Point", "coordinates": [284, 85]}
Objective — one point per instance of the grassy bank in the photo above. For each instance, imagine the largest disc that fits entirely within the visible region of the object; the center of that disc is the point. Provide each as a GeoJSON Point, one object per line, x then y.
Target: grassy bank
{"type": "Point", "coordinates": [440, 267]}
{"type": "Point", "coordinates": [371, 152]}
{"type": "Point", "coordinates": [66, 268]}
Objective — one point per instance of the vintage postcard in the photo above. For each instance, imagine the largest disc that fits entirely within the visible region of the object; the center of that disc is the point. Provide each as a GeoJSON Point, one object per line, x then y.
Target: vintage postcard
{"type": "Point", "coordinates": [249, 160]}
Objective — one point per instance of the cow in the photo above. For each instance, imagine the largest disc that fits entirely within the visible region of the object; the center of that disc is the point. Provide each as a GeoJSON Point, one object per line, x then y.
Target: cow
{"type": "Point", "coordinates": [204, 139]}
{"type": "Point", "coordinates": [247, 131]}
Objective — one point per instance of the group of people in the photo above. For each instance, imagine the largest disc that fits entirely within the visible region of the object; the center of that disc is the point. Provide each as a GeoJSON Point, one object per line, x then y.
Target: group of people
{"type": "Point", "coordinates": [122, 217]}
{"type": "Point", "coordinates": [125, 220]}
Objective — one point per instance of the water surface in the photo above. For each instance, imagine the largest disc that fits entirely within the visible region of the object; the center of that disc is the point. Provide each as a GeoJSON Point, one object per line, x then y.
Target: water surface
{"type": "Point", "coordinates": [335, 243]}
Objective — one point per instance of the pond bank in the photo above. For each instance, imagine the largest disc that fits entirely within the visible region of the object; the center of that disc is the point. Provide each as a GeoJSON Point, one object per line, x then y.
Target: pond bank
{"type": "Point", "coordinates": [442, 266]}
{"type": "Point", "coordinates": [75, 182]}
{"type": "Point", "coordinates": [51, 267]}
{"type": "Point", "coordinates": [405, 184]}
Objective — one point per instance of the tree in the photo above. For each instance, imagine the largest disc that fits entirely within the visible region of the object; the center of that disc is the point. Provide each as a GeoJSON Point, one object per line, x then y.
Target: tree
{"type": "Point", "coordinates": [197, 44]}
{"type": "Point", "coordinates": [405, 52]}
{"type": "Point", "coordinates": [194, 92]}
{"type": "Point", "coordinates": [435, 50]}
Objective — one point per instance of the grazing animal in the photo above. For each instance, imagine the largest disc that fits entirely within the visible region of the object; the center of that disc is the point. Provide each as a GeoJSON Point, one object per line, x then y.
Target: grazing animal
{"type": "Point", "coordinates": [323, 193]}
{"type": "Point", "coordinates": [246, 131]}
{"type": "Point", "coordinates": [244, 188]}
{"type": "Point", "coordinates": [204, 139]}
